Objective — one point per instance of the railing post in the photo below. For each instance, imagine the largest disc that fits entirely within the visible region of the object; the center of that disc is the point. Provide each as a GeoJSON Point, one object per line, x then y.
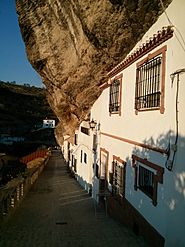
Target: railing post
{"type": "Point", "coordinates": [22, 189]}
{"type": "Point", "coordinates": [18, 192]}
{"type": "Point", "coordinates": [12, 201]}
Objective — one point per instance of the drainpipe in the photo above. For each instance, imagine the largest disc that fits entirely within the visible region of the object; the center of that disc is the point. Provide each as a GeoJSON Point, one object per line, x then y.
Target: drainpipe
{"type": "Point", "coordinates": [173, 147]}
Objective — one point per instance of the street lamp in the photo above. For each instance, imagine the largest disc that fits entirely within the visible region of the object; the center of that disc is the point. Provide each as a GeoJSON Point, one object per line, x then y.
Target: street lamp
{"type": "Point", "coordinates": [92, 124]}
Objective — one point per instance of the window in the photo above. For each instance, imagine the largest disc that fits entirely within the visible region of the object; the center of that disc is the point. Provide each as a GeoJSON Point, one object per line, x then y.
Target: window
{"type": "Point", "coordinates": [68, 149]}
{"type": "Point", "coordinates": [76, 138]}
{"type": "Point", "coordinates": [72, 160]}
{"type": "Point", "coordinates": [97, 170]}
{"type": "Point", "coordinates": [147, 176]}
{"type": "Point", "coordinates": [94, 143]}
{"type": "Point", "coordinates": [118, 181]}
{"type": "Point", "coordinates": [149, 92]}
{"type": "Point", "coordinates": [146, 181]}
{"type": "Point", "coordinates": [85, 158]}
{"type": "Point", "coordinates": [81, 156]}
{"type": "Point", "coordinates": [85, 130]}
{"type": "Point", "coordinates": [115, 95]}
{"type": "Point", "coordinates": [75, 162]}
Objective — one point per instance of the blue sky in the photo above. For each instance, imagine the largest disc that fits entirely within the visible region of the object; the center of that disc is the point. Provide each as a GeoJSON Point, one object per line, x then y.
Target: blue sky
{"type": "Point", "coordinates": [14, 65]}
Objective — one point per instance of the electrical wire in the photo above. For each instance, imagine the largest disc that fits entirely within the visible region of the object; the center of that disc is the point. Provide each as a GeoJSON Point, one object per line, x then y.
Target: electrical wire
{"type": "Point", "coordinates": [183, 41]}
{"type": "Point", "coordinates": [167, 165]}
{"type": "Point", "coordinates": [177, 121]}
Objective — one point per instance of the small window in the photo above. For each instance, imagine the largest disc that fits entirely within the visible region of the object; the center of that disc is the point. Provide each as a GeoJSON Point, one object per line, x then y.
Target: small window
{"type": "Point", "coordinates": [85, 130]}
{"type": "Point", "coordinates": [147, 177]}
{"type": "Point", "coordinates": [68, 150]}
{"type": "Point", "coordinates": [94, 143]}
{"type": "Point", "coordinates": [97, 171]}
{"type": "Point", "coordinates": [76, 138]}
{"type": "Point", "coordinates": [114, 96]}
{"type": "Point", "coordinates": [81, 156]}
{"type": "Point", "coordinates": [75, 162]}
{"type": "Point", "coordinates": [146, 181]}
{"type": "Point", "coordinates": [85, 158]}
{"type": "Point", "coordinates": [72, 160]}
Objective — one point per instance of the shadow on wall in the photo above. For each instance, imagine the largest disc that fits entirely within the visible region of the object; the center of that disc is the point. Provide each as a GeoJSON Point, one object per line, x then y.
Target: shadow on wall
{"type": "Point", "coordinates": [168, 217]}
{"type": "Point", "coordinates": [169, 214]}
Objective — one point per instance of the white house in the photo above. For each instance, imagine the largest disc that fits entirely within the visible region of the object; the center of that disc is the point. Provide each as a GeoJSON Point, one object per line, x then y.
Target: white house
{"type": "Point", "coordinates": [79, 156]}
{"type": "Point", "coordinates": [135, 154]}
{"type": "Point", "coordinates": [48, 123]}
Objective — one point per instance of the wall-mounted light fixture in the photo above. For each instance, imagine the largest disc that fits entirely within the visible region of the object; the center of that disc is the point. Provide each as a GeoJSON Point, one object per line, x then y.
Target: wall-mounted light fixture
{"type": "Point", "coordinates": [92, 124]}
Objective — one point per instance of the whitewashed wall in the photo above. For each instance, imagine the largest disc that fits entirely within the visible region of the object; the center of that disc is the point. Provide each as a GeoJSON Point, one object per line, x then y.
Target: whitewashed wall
{"type": "Point", "coordinates": [65, 150]}
{"type": "Point", "coordinates": [84, 172]}
{"type": "Point", "coordinates": [152, 127]}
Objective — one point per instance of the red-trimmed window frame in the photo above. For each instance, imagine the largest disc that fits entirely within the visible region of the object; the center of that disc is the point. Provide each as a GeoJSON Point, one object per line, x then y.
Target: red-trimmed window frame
{"type": "Point", "coordinates": [122, 164]}
{"type": "Point", "coordinates": [161, 51]}
{"type": "Point", "coordinates": [157, 177]}
{"type": "Point", "coordinates": [119, 100]}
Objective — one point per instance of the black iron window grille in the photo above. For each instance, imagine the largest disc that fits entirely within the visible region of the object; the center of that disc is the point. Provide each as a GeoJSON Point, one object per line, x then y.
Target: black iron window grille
{"type": "Point", "coordinates": [117, 183]}
{"type": "Point", "coordinates": [146, 181]}
{"type": "Point", "coordinates": [148, 84]}
{"type": "Point", "coordinates": [114, 101]}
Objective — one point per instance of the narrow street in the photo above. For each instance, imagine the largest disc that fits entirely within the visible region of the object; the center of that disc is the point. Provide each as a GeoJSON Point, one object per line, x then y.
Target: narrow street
{"type": "Point", "coordinates": [58, 212]}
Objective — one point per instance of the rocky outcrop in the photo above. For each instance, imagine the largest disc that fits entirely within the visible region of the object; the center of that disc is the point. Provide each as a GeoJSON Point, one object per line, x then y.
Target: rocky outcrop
{"type": "Point", "coordinates": [72, 44]}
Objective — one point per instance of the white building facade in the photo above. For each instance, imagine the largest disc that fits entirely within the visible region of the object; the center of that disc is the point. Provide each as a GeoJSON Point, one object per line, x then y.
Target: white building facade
{"type": "Point", "coordinates": [48, 123]}
{"type": "Point", "coordinates": [135, 154]}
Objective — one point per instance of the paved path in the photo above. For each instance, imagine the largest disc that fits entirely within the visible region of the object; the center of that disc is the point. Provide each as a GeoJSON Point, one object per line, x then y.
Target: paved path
{"type": "Point", "coordinates": [58, 212]}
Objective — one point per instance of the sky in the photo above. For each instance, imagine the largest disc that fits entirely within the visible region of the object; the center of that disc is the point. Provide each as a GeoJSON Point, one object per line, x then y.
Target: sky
{"type": "Point", "coordinates": [14, 65]}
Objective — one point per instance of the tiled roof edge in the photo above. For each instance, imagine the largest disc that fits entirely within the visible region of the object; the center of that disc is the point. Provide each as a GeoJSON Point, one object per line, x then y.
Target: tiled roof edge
{"type": "Point", "coordinates": [157, 39]}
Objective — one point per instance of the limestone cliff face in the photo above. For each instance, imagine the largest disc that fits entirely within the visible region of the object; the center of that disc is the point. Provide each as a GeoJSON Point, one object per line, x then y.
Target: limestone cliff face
{"type": "Point", "coordinates": [72, 44]}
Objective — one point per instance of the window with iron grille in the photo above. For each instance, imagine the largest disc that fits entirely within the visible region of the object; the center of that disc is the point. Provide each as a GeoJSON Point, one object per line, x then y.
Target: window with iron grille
{"type": "Point", "coordinates": [148, 84]}
{"type": "Point", "coordinates": [146, 181]}
{"type": "Point", "coordinates": [118, 179]}
{"type": "Point", "coordinates": [147, 177]}
{"type": "Point", "coordinates": [114, 96]}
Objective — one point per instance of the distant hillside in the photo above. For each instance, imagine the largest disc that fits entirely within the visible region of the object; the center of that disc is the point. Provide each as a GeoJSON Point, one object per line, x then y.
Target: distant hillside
{"type": "Point", "coordinates": [22, 108]}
